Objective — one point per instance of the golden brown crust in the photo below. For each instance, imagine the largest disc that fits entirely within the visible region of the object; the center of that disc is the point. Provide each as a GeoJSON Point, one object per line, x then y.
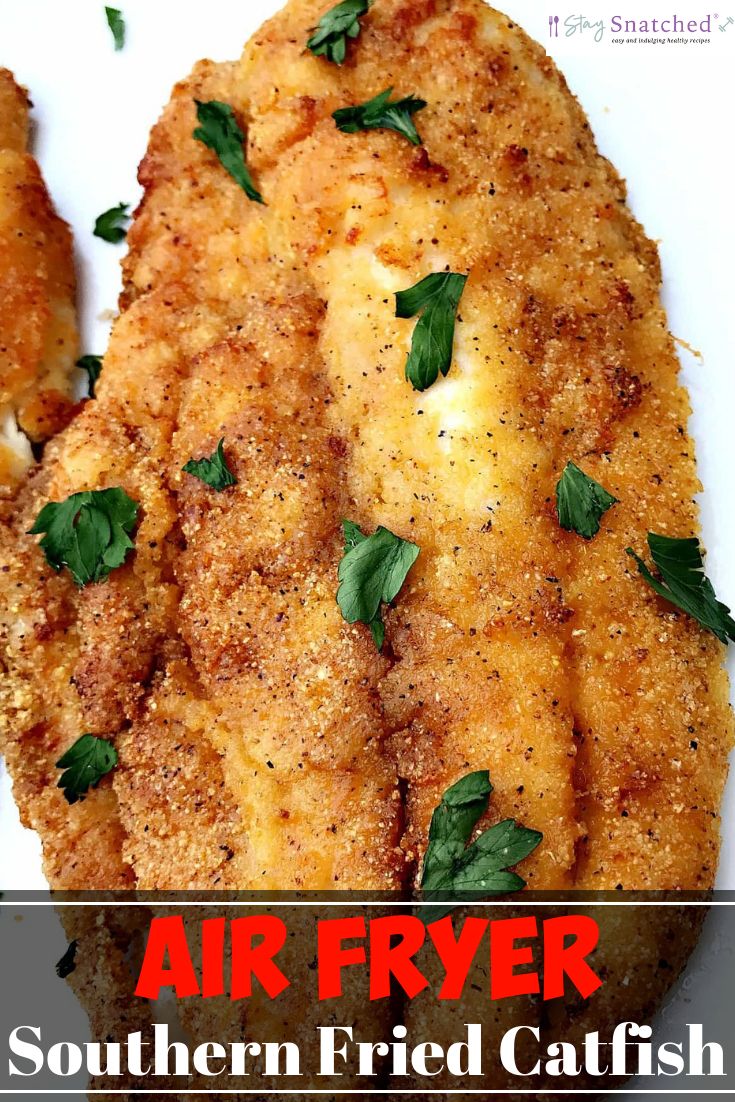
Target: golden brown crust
{"type": "Point", "coordinates": [38, 341]}
{"type": "Point", "coordinates": [14, 106]}
{"type": "Point", "coordinates": [262, 741]}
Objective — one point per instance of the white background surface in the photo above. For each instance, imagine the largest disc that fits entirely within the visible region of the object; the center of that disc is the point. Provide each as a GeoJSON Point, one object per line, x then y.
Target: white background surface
{"type": "Point", "coordinates": [662, 113]}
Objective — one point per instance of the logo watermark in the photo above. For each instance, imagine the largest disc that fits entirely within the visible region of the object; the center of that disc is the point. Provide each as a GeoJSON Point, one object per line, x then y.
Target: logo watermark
{"type": "Point", "coordinates": [576, 24]}
{"type": "Point", "coordinates": [622, 29]}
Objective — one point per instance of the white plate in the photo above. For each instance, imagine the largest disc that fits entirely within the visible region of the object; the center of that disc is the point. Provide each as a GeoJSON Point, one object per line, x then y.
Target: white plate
{"type": "Point", "coordinates": [661, 112]}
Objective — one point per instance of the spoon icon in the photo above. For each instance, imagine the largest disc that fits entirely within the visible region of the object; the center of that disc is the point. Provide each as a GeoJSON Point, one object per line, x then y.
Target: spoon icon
{"type": "Point", "coordinates": [553, 26]}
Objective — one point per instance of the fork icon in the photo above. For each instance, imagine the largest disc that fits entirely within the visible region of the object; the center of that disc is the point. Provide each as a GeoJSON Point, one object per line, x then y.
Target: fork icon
{"type": "Point", "coordinates": [553, 26]}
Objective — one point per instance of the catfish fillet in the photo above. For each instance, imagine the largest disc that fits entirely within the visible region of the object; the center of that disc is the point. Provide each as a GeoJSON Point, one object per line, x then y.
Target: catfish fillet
{"type": "Point", "coordinates": [263, 742]}
{"type": "Point", "coordinates": [38, 341]}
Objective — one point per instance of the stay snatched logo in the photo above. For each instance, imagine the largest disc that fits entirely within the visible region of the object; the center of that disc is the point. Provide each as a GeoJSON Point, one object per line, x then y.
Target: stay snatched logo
{"type": "Point", "coordinates": [627, 28]}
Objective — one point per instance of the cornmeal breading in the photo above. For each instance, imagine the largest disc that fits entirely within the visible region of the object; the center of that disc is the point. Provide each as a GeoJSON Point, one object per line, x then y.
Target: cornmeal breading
{"type": "Point", "coordinates": [264, 742]}
{"type": "Point", "coordinates": [38, 341]}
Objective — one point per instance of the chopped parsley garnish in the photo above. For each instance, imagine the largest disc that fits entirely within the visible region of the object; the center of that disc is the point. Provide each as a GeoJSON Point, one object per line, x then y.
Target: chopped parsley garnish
{"type": "Point", "coordinates": [453, 866]}
{"type": "Point", "coordinates": [93, 366]}
{"type": "Point", "coordinates": [684, 584]}
{"type": "Point", "coordinates": [116, 23]}
{"type": "Point", "coordinates": [380, 113]}
{"type": "Point", "coordinates": [581, 502]}
{"type": "Point", "coordinates": [213, 471]}
{"type": "Point", "coordinates": [85, 764]}
{"type": "Point", "coordinates": [88, 533]}
{"type": "Point", "coordinates": [352, 534]}
{"type": "Point", "coordinates": [67, 963]}
{"type": "Point", "coordinates": [372, 571]}
{"type": "Point", "coordinates": [341, 22]}
{"type": "Point", "coordinates": [218, 130]}
{"type": "Point", "coordinates": [112, 224]}
{"type": "Point", "coordinates": [435, 298]}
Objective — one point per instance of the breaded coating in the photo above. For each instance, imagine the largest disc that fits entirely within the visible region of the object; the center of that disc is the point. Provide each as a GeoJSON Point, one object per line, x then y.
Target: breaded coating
{"type": "Point", "coordinates": [38, 339]}
{"type": "Point", "coordinates": [264, 742]}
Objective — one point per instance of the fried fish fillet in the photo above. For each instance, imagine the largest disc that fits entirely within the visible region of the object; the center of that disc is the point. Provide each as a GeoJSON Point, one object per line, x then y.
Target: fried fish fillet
{"type": "Point", "coordinates": [38, 340]}
{"type": "Point", "coordinates": [263, 742]}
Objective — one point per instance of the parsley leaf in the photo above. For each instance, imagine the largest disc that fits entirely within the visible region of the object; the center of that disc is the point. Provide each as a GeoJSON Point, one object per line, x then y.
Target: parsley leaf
{"type": "Point", "coordinates": [352, 534]}
{"type": "Point", "coordinates": [112, 224]}
{"type": "Point", "coordinates": [684, 584]}
{"type": "Point", "coordinates": [93, 366]}
{"type": "Point", "coordinates": [452, 866]}
{"type": "Point", "coordinates": [435, 298]}
{"type": "Point", "coordinates": [66, 964]}
{"type": "Point", "coordinates": [380, 114]}
{"type": "Point", "coordinates": [335, 27]}
{"type": "Point", "coordinates": [88, 533]}
{"type": "Point", "coordinates": [372, 570]}
{"type": "Point", "coordinates": [85, 764]}
{"type": "Point", "coordinates": [116, 23]}
{"type": "Point", "coordinates": [219, 131]}
{"type": "Point", "coordinates": [581, 502]}
{"type": "Point", "coordinates": [213, 471]}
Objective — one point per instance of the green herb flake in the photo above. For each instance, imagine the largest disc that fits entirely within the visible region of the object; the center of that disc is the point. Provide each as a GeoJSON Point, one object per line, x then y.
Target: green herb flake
{"type": "Point", "coordinates": [85, 764]}
{"type": "Point", "coordinates": [435, 298]}
{"type": "Point", "coordinates": [372, 571]}
{"type": "Point", "coordinates": [67, 963]}
{"type": "Point", "coordinates": [329, 38]}
{"type": "Point", "coordinates": [380, 113]}
{"type": "Point", "coordinates": [88, 533]}
{"type": "Point", "coordinates": [451, 866]}
{"type": "Point", "coordinates": [116, 23]}
{"type": "Point", "coordinates": [93, 366]}
{"type": "Point", "coordinates": [684, 584]}
{"type": "Point", "coordinates": [581, 502]}
{"type": "Point", "coordinates": [212, 471]}
{"type": "Point", "coordinates": [218, 130]}
{"type": "Point", "coordinates": [352, 534]}
{"type": "Point", "coordinates": [112, 224]}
